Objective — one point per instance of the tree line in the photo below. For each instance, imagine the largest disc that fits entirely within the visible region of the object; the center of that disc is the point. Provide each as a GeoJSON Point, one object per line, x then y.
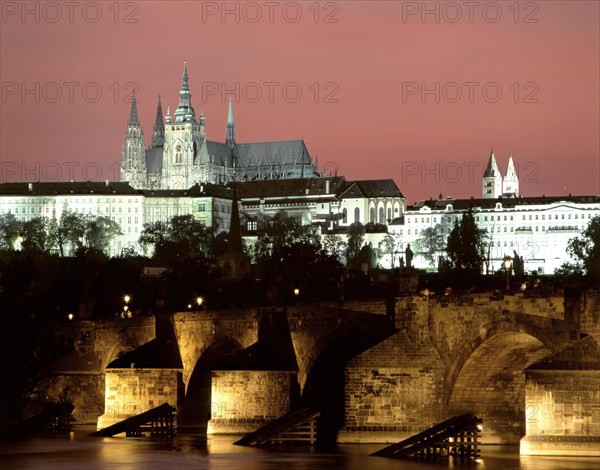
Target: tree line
{"type": "Point", "coordinates": [64, 236]}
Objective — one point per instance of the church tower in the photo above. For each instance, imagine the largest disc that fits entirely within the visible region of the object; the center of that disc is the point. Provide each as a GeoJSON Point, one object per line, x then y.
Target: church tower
{"type": "Point", "coordinates": [182, 141]}
{"type": "Point", "coordinates": [510, 184]}
{"type": "Point", "coordinates": [133, 157]}
{"type": "Point", "coordinates": [492, 179]}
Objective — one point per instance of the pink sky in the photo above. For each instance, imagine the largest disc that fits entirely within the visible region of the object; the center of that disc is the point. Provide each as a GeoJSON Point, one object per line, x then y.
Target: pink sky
{"type": "Point", "coordinates": [368, 63]}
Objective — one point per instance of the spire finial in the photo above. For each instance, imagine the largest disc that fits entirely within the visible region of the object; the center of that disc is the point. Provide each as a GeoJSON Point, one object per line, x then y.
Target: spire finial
{"type": "Point", "coordinates": [230, 132]}
{"type": "Point", "coordinates": [133, 115]}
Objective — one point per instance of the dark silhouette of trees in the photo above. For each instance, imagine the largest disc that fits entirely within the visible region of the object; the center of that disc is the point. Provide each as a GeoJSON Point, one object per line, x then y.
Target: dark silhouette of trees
{"type": "Point", "coordinates": [35, 236]}
{"type": "Point", "coordinates": [356, 240]}
{"type": "Point", "coordinates": [290, 256]}
{"type": "Point", "coordinates": [182, 237]}
{"type": "Point", "coordinates": [10, 228]}
{"type": "Point", "coordinates": [585, 251]}
{"type": "Point", "coordinates": [431, 242]}
{"type": "Point", "coordinates": [465, 251]}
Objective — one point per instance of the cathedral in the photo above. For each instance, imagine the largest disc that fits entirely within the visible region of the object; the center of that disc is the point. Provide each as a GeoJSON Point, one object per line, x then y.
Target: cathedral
{"type": "Point", "coordinates": [180, 155]}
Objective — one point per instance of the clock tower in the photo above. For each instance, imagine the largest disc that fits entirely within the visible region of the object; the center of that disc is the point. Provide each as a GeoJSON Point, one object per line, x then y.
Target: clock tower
{"type": "Point", "coordinates": [184, 137]}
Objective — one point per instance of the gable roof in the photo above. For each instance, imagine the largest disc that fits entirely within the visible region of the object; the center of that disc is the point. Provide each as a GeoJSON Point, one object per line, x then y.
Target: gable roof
{"type": "Point", "coordinates": [371, 189]}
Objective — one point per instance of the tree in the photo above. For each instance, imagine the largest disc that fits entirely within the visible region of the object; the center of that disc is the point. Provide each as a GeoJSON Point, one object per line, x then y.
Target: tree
{"type": "Point", "coordinates": [154, 234]}
{"type": "Point", "coordinates": [391, 245]}
{"type": "Point", "coordinates": [99, 232]}
{"type": "Point", "coordinates": [334, 245]}
{"type": "Point", "coordinates": [35, 235]}
{"type": "Point", "coordinates": [183, 236]}
{"type": "Point", "coordinates": [71, 230]}
{"type": "Point", "coordinates": [585, 251]}
{"type": "Point", "coordinates": [431, 242]}
{"type": "Point", "coordinates": [465, 249]}
{"type": "Point", "coordinates": [356, 240]}
{"type": "Point", "coordinates": [189, 234]}
{"type": "Point", "coordinates": [10, 228]}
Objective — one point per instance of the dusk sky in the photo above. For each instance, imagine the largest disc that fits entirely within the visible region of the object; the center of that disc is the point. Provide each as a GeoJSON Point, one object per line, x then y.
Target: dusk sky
{"type": "Point", "coordinates": [521, 77]}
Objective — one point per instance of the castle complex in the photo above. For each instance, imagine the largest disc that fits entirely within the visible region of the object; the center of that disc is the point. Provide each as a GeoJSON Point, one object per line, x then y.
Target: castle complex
{"type": "Point", "coordinates": [181, 172]}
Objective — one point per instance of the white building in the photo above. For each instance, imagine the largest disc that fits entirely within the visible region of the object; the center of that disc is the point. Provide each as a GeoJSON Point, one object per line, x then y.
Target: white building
{"type": "Point", "coordinates": [128, 207]}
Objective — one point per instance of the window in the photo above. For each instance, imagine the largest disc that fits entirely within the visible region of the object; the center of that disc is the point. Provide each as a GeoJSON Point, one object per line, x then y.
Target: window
{"type": "Point", "coordinates": [252, 225]}
{"type": "Point", "coordinates": [381, 215]}
{"type": "Point", "coordinates": [372, 215]}
{"type": "Point", "coordinates": [356, 214]}
{"type": "Point", "coordinates": [345, 216]}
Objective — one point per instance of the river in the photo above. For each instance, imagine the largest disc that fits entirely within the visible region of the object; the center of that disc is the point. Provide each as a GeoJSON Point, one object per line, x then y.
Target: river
{"type": "Point", "coordinates": [77, 451]}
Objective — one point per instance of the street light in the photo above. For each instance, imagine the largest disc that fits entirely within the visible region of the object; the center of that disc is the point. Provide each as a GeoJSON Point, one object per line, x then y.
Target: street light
{"type": "Point", "coordinates": [507, 265]}
{"type": "Point", "coordinates": [199, 301]}
{"type": "Point", "coordinates": [126, 298]}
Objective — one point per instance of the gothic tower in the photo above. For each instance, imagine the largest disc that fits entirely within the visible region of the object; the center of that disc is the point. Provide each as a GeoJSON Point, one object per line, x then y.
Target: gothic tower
{"type": "Point", "coordinates": [492, 179]}
{"type": "Point", "coordinates": [133, 157]}
{"type": "Point", "coordinates": [510, 184]}
{"type": "Point", "coordinates": [182, 142]}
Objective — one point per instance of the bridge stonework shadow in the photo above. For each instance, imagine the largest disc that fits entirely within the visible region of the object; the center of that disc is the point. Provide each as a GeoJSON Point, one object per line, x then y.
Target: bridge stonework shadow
{"type": "Point", "coordinates": [378, 371]}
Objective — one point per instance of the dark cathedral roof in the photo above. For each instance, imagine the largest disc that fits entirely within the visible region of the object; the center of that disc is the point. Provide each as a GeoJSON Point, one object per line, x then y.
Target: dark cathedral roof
{"type": "Point", "coordinates": [260, 154]}
{"type": "Point", "coordinates": [285, 152]}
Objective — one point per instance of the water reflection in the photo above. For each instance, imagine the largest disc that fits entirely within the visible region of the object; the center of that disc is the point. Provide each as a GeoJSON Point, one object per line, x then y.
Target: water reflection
{"type": "Point", "coordinates": [78, 451]}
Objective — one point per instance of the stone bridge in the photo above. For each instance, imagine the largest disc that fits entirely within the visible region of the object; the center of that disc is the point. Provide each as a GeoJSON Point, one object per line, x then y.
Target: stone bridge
{"type": "Point", "coordinates": [378, 370]}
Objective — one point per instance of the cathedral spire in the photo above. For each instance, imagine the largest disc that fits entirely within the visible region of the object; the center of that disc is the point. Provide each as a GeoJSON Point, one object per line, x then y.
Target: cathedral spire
{"type": "Point", "coordinates": [185, 111]}
{"type": "Point", "coordinates": [133, 115]}
{"type": "Point", "coordinates": [230, 132]}
{"type": "Point", "coordinates": [158, 134]}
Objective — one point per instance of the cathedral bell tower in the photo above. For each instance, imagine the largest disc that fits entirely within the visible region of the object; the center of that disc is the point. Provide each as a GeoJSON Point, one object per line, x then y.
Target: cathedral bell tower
{"type": "Point", "coordinates": [133, 156]}
{"type": "Point", "coordinates": [183, 139]}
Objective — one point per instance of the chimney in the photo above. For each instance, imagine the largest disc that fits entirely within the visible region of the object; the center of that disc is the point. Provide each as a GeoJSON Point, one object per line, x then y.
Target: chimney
{"type": "Point", "coordinates": [327, 186]}
{"type": "Point", "coordinates": [106, 183]}
{"type": "Point", "coordinates": [30, 186]}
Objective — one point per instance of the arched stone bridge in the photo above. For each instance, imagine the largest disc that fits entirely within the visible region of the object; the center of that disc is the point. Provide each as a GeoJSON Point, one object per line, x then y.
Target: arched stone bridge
{"type": "Point", "coordinates": [388, 369]}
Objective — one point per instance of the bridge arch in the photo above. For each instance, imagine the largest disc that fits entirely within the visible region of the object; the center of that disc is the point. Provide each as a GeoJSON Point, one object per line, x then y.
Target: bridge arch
{"type": "Point", "coordinates": [197, 400]}
{"type": "Point", "coordinates": [487, 377]}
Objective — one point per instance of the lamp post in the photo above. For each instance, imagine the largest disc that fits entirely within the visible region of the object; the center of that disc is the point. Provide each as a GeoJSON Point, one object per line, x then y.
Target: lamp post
{"type": "Point", "coordinates": [507, 265]}
{"type": "Point", "coordinates": [126, 312]}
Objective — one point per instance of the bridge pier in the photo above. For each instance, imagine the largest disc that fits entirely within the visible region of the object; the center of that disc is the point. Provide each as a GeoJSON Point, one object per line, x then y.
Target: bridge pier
{"type": "Point", "coordinates": [563, 402]}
